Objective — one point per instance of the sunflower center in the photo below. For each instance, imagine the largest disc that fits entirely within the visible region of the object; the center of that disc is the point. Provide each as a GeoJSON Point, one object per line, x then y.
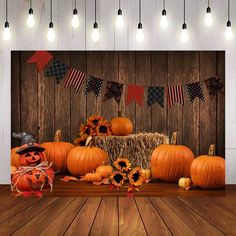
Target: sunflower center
{"type": "Point", "coordinates": [118, 178]}
{"type": "Point", "coordinates": [82, 143]}
{"type": "Point", "coordinates": [103, 129]}
{"type": "Point", "coordinates": [87, 131]}
{"type": "Point", "coordinates": [95, 122]}
{"type": "Point", "coordinates": [122, 164]}
{"type": "Point", "coordinates": [136, 176]}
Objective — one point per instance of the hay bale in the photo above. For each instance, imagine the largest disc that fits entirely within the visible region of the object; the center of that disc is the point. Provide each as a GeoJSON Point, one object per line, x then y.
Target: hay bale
{"type": "Point", "coordinates": [136, 147]}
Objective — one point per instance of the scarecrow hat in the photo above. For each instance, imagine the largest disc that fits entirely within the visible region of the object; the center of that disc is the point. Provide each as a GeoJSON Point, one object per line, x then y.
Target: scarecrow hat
{"type": "Point", "coordinates": [29, 147]}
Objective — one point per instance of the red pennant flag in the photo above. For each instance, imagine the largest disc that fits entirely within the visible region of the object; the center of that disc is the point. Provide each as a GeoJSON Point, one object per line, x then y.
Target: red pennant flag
{"type": "Point", "coordinates": [41, 58]}
{"type": "Point", "coordinates": [135, 93]}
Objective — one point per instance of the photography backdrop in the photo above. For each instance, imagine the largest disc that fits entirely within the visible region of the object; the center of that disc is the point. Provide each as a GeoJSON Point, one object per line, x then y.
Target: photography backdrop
{"type": "Point", "coordinates": [41, 106]}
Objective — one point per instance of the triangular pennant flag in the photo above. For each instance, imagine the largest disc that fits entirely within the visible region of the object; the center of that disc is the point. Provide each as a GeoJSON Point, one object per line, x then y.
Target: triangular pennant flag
{"type": "Point", "coordinates": [57, 69]}
{"type": "Point", "coordinates": [195, 90]}
{"type": "Point", "coordinates": [75, 78]}
{"type": "Point", "coordinates": [113, 90]}
{"type": "Point", "coordinates": [93, 85]}
{"type": "Point", "coordinates": [41, 58]}
{"type": "Point", "coordinates": [175, 94]}
{"type": "Point", "coordinates": [214, 85]}
{"type": "Point", "coordinates": [135, 93]}
{"type": "Point", "coordinates": [156, 94]}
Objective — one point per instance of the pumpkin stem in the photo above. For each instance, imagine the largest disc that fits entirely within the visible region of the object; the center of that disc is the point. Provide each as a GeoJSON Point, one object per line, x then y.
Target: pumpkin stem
{"type": "Point", "coordinates": [174, 138]}
{"type": "Point", "coordinates": [57, 137]}
{"type": "Point", "coordinates": [211, 151]}
{"type": "Point", "coordinates": [120, 114]}
{"type": "Point", "coordinates": [89, 141]}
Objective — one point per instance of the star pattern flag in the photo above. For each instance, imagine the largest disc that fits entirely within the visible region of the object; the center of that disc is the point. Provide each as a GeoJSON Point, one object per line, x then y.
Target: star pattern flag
{"type": "Point", "coordinates": [41, 58]}
{"type": "Point", "coordinates": [113, 90]}
{"type": "Point", "coordinates": [75, 78]}
{"type": "Point", "coordinates": [57, 69]}
{"type": "Point", "coordinates": [93, 85]}
{"type": "Point", "coordinates": [156, 94]}
{"type": "Point", "coordinates": [175, 94]}
{"type": "Point", "coordinates": [195, 90]}
{"type": "Point", "coordinates": [214, 85]}
{"type": "Point", "coordinates": [135, 93]}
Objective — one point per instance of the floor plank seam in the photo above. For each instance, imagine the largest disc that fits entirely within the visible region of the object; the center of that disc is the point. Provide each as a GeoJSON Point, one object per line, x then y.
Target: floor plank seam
{"type": "Point", "coordinates": [160, 215]}
{"type": "Point", "coordinates": [75, 216]}
{"type": "Point", "coordinates": [202, 216]}
{"type": "Point", "coordinates": [118, 214]}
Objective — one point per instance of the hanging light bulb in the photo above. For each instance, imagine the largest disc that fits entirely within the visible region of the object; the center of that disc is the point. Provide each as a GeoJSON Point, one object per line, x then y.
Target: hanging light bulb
{"type": "Point", "coordinates": [208, 18]}
{"type": "Point", "coordinates": [30, 19]}
{"type": "Point", "coordinates": [75, 18]}
{"type": "Point", "coordinates": [139, 33]}
{"type": "Point", "coordinates": [228, 30]}
{"type": "Point", "coordinates": [6, 32]}
{"type": "Point", "coordinates": [184, 33]}
{"type": "Point", "coordinates": [51, 34]}
{"type": "Point", "coordinates": [164, 21]}
{"type": "Point", "coordinates": [95, 34]}
{"type": "Point", "coordinates": [119, 18]}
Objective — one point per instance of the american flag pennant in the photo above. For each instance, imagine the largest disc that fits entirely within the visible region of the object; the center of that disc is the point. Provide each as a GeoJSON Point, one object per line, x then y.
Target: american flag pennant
{"type": "Point", "coordinates": [75, 78]}
{"type": "Point", "coordinates": [175, 94]}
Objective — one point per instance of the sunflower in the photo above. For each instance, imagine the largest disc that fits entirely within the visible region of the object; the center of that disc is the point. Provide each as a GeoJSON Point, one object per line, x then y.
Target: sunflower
{"type": "Point", "coordinates": [118, 178]}
{"type": "Point", "coordinates": [135, 177]}
{"type": "Point", "coordinates": [81, 141]}
{"type": "Point", "coordinates": [122, 164]}
{"type": "Point", "coordinates": [85, 129]}
{"type": "Point", "coordinates": [103, 128]}
{"type": "Point", "coordinates": [94, 120]}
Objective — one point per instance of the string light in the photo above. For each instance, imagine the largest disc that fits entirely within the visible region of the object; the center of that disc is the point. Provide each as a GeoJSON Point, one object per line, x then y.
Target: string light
{"type": "Point", "coordinates": [30, 19]}
{"type": "Point", "coordinates": [139, 34]}
{"type": "Point", "coordinates": [184, 32]}
{"type": "Point", "coordinates": [51, 34]}
{"type": "Point", "coordinates": [75, 18]}
{"type": "Point", "coordinates": [95, 33]}
{"type": "Point", "coordinates": [164, 21]}
{"type": "Point", "coordinates": [208, 18]}
{"type": "Point", "coordinates": [6, 32]}
{"type": "Point", "coordinates": [228, 30]}
{"type": "Point", "coordinates": [119, 18]}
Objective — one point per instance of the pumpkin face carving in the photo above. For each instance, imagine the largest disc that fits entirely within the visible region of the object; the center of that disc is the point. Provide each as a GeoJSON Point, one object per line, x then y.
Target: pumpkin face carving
{"type": "Point", "coordinates": [31, 158]}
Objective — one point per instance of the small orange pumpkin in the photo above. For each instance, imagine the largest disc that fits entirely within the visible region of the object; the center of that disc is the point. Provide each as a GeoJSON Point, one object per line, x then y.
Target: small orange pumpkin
{"type": "Point", "coordinates": [104, 170]}
{"type": "Point", "coordinates": [208, 171]}
{"type": "Point", "coordinates": [92, 177]}
{"type": "Point", "coordinates": [83, 160]}
{"type": "Point", "coordinates": [169, 162]}
{"type": "Point", "coordinates": [57, 151]}
{"type": "Point", "coordinates": [121, 126]}
{"type": "Point", "coordinates": [146, 173]}
{"type": "Point", "coordinates": [15, 157]}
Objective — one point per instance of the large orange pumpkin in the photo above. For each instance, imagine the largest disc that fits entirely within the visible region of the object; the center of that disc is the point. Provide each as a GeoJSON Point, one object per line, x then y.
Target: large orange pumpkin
{"type": "Point", "coordinates": [169, 162]}
{"type": "Point", "coordinates": [83, 160]}
{"type": "Point", "coordinates": [15, 157]}
{"type": "Point", "coordinates": [208, 171]}
{"type": "Point", "coordinates": [121, 126]}
{"type": "Point", "coordinates": [57, 151]}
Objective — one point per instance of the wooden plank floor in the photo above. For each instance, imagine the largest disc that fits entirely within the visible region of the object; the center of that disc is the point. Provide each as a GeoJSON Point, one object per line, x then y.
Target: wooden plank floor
{"type": "Point", "coordinates": [118, 215]}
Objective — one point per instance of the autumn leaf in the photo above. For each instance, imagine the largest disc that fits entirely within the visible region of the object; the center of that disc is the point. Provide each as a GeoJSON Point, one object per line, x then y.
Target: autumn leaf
{"type": "Point", "coordinates": [69, 178]}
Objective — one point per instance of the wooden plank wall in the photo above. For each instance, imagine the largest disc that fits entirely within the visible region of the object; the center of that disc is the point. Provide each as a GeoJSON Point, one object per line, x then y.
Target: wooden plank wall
{"type": "Point", "coordinates": [41, 106]}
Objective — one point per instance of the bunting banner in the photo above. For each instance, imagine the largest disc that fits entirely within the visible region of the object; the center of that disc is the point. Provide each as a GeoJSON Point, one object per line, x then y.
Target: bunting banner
{"type": "Point", "coordinates": [195, 90]}
{"type": "Point", "coordinates": [214, 85]}
{"type": "Point", "coordinates": [41, 58]}
{"type": "Point", "coordinates": [113, 90]}
{"type": "Point", "coordinates": [156, 94]}
{"type": "Point", "coordinates": [135, 93]}
{"type": "Point", "coordinates": [57, 69]}
{"type": "Point", "coordinates": [175, 94]}
{"type": "Point", "coordinates": [93, 85]}
{"type": "Point", "coordinates": [75, 78]}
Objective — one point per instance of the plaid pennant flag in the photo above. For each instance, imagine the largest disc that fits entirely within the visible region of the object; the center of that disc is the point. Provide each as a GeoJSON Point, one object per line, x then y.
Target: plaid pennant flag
{"type": "Point", "coordinates": [175, 94]}
{"type": "Point", "coordinates": [195, 90]}
{"type": "Point", "coordinates": [93, 85]}
{"type": "Point", "coordinates": [135, 93]}
{"type": "Point", "coordinates": [156, 94]}
{"type": "Point", "coordinates": [214, 85]}
{"type": "Point", "coordinates": [113, 90]}
{"type": "Point", "coordinates": [41, 58]}
{"type": "Point", "coordinates": [57, 69]}
{"type": "Point", "coordinates": [75, 78]}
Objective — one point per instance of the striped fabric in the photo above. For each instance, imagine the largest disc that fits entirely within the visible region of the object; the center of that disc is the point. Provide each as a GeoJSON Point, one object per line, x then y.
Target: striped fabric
{"type": "Point", "coordinates": [175, 94]}
{"type": "Point", "coordinates": [75, 78]}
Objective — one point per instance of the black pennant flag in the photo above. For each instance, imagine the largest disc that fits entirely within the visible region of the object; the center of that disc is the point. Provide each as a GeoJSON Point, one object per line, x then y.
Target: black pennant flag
{"type": "Point", "coordinates": [214, 85]}
{"type": "Point", "coordinates": [156, 94]}
{"type": "Point", "coordinates": [195, 90]}
{"type": "Point", "coordinates": [93, 85]}
{"type": "Point", "coordinates": [113, 90]}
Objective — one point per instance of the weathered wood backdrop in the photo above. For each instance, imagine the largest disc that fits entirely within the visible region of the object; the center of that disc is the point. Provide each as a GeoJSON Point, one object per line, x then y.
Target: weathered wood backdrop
{"type": "Point", "coordinates": [41, 106]}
